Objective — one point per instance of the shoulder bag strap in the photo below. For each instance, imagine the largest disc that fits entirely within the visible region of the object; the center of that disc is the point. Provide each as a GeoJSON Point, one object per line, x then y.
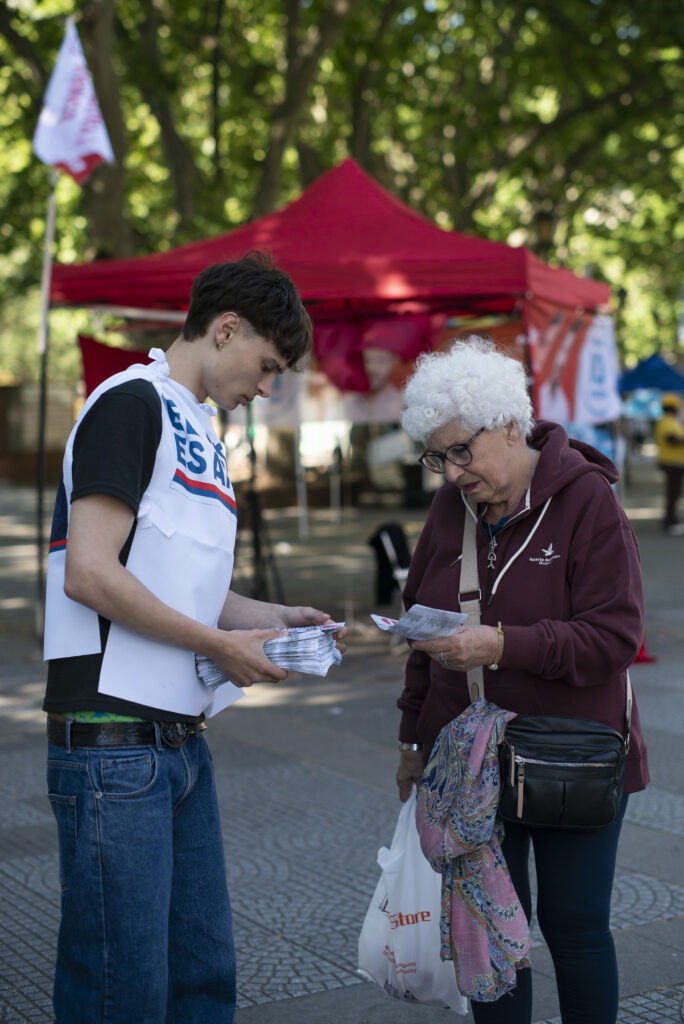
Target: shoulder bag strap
{"type": "Point", "coordinates": [469, 595]}
{"type": "Point", "coordinates": [628, 708]}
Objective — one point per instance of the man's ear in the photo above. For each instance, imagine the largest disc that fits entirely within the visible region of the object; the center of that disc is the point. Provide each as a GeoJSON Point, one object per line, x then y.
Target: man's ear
{"type": "Point", "coordinates": [225, 327]}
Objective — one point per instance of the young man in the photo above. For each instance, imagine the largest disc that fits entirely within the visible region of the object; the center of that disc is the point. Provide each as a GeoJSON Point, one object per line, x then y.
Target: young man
{"type": "Point", "coordinates": [138, 583]}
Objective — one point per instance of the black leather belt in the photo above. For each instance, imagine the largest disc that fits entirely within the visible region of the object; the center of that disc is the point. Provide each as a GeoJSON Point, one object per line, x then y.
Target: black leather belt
{"type": "Point", "coordinates": [121, 734]}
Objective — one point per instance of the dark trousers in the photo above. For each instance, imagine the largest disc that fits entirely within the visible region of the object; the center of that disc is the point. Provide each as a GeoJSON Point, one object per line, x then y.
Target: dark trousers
{"type": "Point", "coordinates": [674, 478]}
{"type": "Point", "coordinates": [574, 883]}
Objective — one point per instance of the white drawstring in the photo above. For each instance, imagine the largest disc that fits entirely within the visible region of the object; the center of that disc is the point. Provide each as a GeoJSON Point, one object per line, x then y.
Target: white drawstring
{"type": "Point", "coordinates": [520, 550]}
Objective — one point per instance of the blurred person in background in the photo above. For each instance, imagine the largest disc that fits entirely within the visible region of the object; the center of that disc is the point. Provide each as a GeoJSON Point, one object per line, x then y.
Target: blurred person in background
{"type": "Point", "coordinates": [669, 436]}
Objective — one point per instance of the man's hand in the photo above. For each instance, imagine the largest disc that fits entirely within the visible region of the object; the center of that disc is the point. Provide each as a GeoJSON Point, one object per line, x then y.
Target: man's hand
{"type": "Point", "coordinates": [411, 766]}
{"type": "Point", "coordinates": [295, 616]}
{"type": "Point", "coordinates": [299, 615]}
{"type": "Point", "coordinates": [245, 613]}
{"type": "Point", "coordinates": [239, 654]}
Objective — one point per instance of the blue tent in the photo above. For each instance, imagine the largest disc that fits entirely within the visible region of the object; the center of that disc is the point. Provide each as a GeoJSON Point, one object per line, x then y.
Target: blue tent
{"type": "Point", "coordinates": [653, 372]}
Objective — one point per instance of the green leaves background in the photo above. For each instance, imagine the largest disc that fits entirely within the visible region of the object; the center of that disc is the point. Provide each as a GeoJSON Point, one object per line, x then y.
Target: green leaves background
{"type": "Point", "coordinates": [478, 113]}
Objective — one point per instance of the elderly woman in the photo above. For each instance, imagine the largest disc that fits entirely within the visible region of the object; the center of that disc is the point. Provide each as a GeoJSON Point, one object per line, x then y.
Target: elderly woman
{"type": "Point", "coordinates": [561, 620]}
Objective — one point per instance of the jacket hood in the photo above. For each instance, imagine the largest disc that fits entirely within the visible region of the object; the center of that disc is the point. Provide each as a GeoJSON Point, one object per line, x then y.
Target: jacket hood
{"type": "Point", "coordinates": [562, 460]}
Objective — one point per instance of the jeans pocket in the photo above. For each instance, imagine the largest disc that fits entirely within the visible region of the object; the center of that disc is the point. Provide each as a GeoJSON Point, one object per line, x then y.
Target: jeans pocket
{"type": "Point", "coordinates": [124, 774]}
{"type": "Point", "coordinates": [64, 809]}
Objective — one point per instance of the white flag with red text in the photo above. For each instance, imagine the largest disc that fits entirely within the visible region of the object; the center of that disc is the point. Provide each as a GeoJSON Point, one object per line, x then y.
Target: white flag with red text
{"type": "Point", "coordinates": [70, 133]}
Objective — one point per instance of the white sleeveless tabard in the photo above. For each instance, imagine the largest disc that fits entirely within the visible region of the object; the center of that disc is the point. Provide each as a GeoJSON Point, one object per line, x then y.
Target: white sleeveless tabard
{"type": "Point", "coordinates": [182, 551]}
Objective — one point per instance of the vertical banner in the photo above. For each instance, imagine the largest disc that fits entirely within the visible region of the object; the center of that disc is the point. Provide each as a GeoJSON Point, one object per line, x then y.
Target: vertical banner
{"type": "Point", "coordinates": [575, 368]}
{"type": "Point", "coordinates": [556, 338]}
{"type": "Point", "coordinates": [597, 399]}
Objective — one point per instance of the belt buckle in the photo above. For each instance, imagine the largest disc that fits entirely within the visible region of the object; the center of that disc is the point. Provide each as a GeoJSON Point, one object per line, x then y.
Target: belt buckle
{"type": "Point", "coordinates": [174, 734]}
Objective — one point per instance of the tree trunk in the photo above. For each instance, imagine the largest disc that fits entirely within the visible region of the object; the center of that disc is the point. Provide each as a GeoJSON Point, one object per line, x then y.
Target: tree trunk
{"type": "Point", "coordinates": [104, 192]}
{"type": "Point", "coordinates": [361, 119]}
{"type": "Point", "coordinates": [303, 62]}
{"type": "Point", "coordinates": [157, 91]}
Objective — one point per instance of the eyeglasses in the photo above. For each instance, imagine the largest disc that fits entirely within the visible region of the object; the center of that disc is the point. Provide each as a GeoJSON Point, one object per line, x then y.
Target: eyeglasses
{"type": "Point", "coordinates": [458, 454]}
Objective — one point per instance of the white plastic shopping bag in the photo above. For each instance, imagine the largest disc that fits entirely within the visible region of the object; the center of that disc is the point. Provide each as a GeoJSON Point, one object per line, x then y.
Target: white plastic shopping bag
{"type": "Point", "coordinates": [399, 941]}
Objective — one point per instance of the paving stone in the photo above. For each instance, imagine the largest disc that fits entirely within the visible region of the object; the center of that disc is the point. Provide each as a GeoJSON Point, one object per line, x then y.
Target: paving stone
{"type": "Point", "coordinates": [657, 808]}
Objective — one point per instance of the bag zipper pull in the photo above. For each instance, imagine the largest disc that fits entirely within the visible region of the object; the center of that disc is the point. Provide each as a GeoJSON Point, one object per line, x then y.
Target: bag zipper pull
{"type": "Point", "coordinates": [512, 766]}
{"type": "Point", "coordinates": [521, 782]}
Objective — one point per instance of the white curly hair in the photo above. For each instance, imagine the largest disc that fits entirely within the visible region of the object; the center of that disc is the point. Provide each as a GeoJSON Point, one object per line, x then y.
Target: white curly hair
{"type": "Point", "coordinates": [474, 383]}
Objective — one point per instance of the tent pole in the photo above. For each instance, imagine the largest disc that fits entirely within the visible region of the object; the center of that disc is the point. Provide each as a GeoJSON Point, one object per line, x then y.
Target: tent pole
{"type": "Point", "coordinates": [335, 474]}
{"type": "Point", "coordinates": [300, 486]}
{"type": "Point", "coordinates": [43, 344]}
{"type": "Point", "coordinates": [264, 559]}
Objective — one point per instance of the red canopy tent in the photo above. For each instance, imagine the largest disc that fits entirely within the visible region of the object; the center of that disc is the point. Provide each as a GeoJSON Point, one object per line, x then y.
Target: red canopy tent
{"type": "Point", "coordinates": [355, 252]}
{"type": "Point", "coordinates": [349, 245]}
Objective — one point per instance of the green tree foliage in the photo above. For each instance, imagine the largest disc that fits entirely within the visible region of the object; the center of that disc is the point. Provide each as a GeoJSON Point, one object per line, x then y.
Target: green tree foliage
{"type": "Point", "coordinates": [481, 114]}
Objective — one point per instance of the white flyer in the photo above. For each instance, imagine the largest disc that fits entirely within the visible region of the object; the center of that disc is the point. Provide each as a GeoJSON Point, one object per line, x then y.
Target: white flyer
{"type": "Point", "coordinates": [422, 623]}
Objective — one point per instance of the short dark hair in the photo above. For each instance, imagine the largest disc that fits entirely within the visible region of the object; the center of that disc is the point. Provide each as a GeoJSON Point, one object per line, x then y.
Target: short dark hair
{"type": "Point", "coordinates": [257, 291]}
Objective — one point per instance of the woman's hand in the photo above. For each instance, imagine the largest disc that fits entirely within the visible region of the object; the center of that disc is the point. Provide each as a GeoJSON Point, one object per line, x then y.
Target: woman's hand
{"type": "Point", "coordinates": [468, 647]}
{"type": "Point", "coordinates": [411, 766]}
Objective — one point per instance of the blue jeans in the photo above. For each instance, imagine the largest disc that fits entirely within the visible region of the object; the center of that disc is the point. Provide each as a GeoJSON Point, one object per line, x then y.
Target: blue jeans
{"type": "Point", "coordinates": [146, 931]}
{"type": "Point", "coordinates": [575, 873]}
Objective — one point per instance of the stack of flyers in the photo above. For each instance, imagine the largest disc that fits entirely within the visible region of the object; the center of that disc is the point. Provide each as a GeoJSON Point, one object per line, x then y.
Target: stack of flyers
{"type": "Point", "coordinates": [209, 672]}
{"type": "Point", "coordinates": [307, 649]}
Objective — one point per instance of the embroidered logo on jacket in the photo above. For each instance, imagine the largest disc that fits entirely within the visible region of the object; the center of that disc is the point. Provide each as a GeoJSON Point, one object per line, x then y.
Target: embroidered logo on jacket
{"type": "Point", "coordinates": [547, 556]}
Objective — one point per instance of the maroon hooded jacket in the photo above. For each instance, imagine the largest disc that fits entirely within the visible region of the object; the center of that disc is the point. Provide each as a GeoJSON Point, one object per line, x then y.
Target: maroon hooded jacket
{"type": "Point", "coordinates": [569, 597]}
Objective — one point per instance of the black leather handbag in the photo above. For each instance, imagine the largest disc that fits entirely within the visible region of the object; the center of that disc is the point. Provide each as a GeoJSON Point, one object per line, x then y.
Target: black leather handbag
{"type": "Point", "coordinates": [561, 772]}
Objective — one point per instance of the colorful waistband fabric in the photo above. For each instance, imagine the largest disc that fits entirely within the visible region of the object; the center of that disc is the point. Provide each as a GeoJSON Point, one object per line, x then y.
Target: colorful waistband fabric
{"type": "Point", "coordinates": [100, 716]}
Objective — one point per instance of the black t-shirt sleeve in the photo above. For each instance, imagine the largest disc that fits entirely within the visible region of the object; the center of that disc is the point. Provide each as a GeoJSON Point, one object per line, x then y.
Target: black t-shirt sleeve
{"type": "Point", "coordinates": [116, 444]}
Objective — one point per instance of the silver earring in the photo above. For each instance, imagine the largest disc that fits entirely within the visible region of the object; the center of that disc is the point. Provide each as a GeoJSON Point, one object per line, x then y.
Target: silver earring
{"type": "Point", "coordinates": [219, 345]}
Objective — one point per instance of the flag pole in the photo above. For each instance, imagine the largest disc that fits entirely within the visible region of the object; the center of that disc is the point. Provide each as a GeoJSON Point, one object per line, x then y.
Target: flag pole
{"type": "Point", "coordinates": [43, 344]}
{"type": "Point", "coordinates": [70, 135]}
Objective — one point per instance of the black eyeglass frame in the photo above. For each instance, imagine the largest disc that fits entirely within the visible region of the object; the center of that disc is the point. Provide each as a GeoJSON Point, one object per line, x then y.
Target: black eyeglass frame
{"type": "Point", "coordinates": [463, 449]}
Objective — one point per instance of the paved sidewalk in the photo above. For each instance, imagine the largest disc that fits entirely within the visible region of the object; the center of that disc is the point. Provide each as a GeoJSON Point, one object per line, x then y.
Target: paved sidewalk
{"type": "Point", "coordinates": [305, 774]}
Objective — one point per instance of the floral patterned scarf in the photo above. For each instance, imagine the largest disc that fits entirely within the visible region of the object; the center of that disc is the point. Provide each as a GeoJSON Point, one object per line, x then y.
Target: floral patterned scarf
{"type": "Point", "coordinates": [483, 928]}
